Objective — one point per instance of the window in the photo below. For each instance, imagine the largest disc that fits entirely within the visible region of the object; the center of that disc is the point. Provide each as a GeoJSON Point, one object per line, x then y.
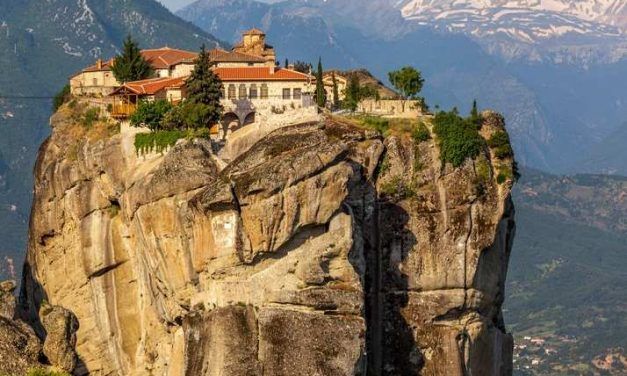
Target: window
{"type": "Point", "coordinates": [297, 93]}
{"type": "Point", "coordinates": [287, 93]}
{"type": "Point", "coordinates": [242, 92]}
{"type": "Point", "coordinates": [253, 91]}
{"type": "Point", "coordinates": [231, 91]}
{"type": "Point", "coordinates": [95, 81]}
{"type": "Point", "coordinates": [264, 91]}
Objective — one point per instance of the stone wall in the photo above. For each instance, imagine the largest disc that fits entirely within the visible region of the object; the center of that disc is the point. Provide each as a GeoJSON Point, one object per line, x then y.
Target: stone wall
{"type": "Point", "coordinates": [391, 108]}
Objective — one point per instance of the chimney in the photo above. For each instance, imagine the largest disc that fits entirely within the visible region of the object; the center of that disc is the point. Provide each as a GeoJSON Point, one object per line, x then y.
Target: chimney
{"type": "Point", "coordinates": [99, 64]}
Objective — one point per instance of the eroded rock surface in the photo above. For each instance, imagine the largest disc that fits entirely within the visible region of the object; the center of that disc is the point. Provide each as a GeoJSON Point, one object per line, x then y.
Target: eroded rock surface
{"type": "Point", "coordinates": [297, 258]}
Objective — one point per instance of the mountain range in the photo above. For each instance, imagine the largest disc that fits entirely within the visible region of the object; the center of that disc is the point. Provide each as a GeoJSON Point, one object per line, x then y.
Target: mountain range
{"type": "Point", "coordinates": [562, 94]}
{"type": "Point", "coordinates": [41, 44]}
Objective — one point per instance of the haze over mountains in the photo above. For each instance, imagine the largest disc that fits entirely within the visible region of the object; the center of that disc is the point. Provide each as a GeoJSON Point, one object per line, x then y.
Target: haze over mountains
{"type": "Point", "coordinates": [561, 89]}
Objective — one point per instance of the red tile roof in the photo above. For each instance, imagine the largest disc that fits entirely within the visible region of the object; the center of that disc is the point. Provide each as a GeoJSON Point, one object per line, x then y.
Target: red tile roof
{"type": "Point", "coordinates": [260, 74]}
{"type": "Point", "coordinates": [221, 56]}
{"type": "Point", "coordinates": [164, 58]}
{"type": "Point", "coordinates": [151, 86]}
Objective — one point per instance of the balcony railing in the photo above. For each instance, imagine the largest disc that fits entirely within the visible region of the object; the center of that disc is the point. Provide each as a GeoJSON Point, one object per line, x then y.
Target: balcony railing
{"type": "Point", "coordinates": [123, 109]}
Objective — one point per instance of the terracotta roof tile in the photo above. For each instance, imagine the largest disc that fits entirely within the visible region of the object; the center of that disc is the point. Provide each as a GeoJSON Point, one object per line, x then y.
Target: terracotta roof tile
{"type": "Point", "coordinates": [164, 58]}
{"type": "Point", "coordinates": [151, 86]}
{"type": "Point", "coordinates": [254, 31]}
{"type": "Point", "coordinates": [260, 74]}
{"type": "Point", "coordinates": [218, 55]}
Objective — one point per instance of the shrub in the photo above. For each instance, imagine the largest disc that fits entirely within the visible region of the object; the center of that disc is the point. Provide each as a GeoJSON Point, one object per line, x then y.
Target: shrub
{"type": "Point", "coordinates": [396, 188]}
{"type": "Point", "coordinates": [421, 133]}
{"type": "Point", "coordinates": [91, 116]}
{"type": "Point", "coordinates": [150, 114]}
{"type": "Point", "coordinates": [501, 145]}
{"type": "Point", "coordinates": [458, 138]}
{"type": "Point", "coordinates": [160, 140]}
{"type": "Point", "coordinates": [45, 372]}
{"type": "Point", "coordinates": [61, 97]}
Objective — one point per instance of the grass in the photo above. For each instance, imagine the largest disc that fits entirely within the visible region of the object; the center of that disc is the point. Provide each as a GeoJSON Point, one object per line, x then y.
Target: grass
{"type": "Point", "coordinates": [159, 141]}
{"type": "Point", "coordinates": [45, 372]}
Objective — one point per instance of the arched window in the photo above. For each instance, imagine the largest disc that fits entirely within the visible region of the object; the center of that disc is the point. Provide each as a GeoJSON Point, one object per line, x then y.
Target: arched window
{"type": "Point", "coordinates": [231, 91]}
{"type": "Point", "coordinates": [253, 91]}
{"type": "Point", "coordinates": [264, 91]}
{"type": "Point", "coordinates": [242, 91]}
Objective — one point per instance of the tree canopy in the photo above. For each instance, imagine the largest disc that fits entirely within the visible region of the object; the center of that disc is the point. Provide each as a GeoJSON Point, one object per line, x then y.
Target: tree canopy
{"type": "Point", "coordinates": [130, 65]}
{"type": "Point", "coordinates": [321, 95]}
{"type": "Point", "coordinates": [408, 81]}
{"type": "Point", "coordinates": [204, 92]}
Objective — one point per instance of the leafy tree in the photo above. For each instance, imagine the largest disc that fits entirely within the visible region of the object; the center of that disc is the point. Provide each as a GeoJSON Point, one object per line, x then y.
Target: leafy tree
{"type": "Point", "coordinates": [321, 95]}
{"type": "Point", "coordinates": [408, 81]}
{"type": "Point", "coordinates": [458, 138]}
{"type": "Point", "coordinates": [61, 97]}
{"type": "Point", "coordinates": [205, 88]}
{"type": "Point", "coordinates": [368, 91]}
{"type": "Point", "coordinates": [150, 114]}
{"type": "Point", "coordinates": [336, 94]}
{"type": "Point", "coordinates": [301, 66]}
{"type": "Point", "coordinates": [131, 65]}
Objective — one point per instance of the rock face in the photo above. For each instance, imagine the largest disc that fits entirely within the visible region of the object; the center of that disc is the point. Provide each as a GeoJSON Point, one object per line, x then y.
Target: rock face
{"type": "Point", "coordinates": [19, 346]}
{"type": "Point", "coordinates": [60, 326]}
{"type": "Point", "coordinates": [295, 258]}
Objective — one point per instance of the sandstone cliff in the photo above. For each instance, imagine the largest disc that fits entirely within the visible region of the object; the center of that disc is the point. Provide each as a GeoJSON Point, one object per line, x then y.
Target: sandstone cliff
{"type": "Point", "coordinates": [324, 249]}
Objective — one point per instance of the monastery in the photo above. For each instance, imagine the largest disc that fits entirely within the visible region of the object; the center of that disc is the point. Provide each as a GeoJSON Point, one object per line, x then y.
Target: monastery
{"type": "Point", "coordinates": [253, 83]}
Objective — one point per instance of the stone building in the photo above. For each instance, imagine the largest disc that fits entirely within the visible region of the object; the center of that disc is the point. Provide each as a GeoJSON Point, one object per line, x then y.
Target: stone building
{"type": "Point", "coordinates": [254, 43]}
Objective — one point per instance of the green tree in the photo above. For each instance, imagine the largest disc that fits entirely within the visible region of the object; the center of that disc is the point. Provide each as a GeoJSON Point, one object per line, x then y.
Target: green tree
{"type": "Point", "coordinates": [204, 88]}
{"type": "Point", "coordinates": [131, 65]}
{"type": "Point", "coordinates": [336, 94]}
{"type": "Point", "coordinates": [150, 114]}
{"type": "Point", "coordinates": [321, 95]}
{"type": "Point", "coordinates": [458, 137]}
{"type": "Point", "coordinates": [301, 66]}
{"type": "Point", "coordinates": [352, 93]}
{"type": "Point", "coordinates": [287, 63]}
{"type": "Point", "coordinates": [61, 97]}
{"type": "Point", "coordinates": [408, 81]}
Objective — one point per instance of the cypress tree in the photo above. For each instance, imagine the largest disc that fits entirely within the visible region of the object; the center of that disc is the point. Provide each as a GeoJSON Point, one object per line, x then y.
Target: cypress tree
{"type": "Point", "coordinates": [131, 65]}
{"type": "Point", "coordinates": [204, 89]}
{"type": "Point", "coordinates": [336, 94]}
{"type": "Point", "coordinates": [287, 63]}
{"type": "Point", "coordinates": [321, 97]}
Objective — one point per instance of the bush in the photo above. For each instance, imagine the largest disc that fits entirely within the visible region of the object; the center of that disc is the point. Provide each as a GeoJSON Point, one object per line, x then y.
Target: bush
{"type": "Point", "coordinates": [91, 116]}
{"type": "Point", "coordinates": [501, 145]}
{"type": "Point", "coordinates": [45, 372]}
{"type": "Point", "coordinates": [61, 97]}
{"type": "Point", "coordinates": [160, 140]}
{"type": "Point", "coordinates": [458, 138]}
{"type": "Point", "coordinates": [150, 114]}
{"type": "Point", "coordinates": [397, 189]}
{"type": "Point", "coordinates": [421, 133]}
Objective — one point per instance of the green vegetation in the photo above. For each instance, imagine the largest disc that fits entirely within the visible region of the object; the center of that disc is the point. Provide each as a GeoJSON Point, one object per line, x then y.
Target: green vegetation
{"type": "Point", "coordinates": [499, 141]}
{"type": "Point", "coordinates": [160, 140]}
{"type": "Point", "coordinates": [321, 94]}
{"type": "Point", "coordinates": [458, 137]}
{"type": "Point", "coordinates": [336, 93]}
{"type": "Point", "coordinates": [397, 189]}
{"type": "Point", "coordinates": [356, 92]}
{"type": "Point", "coordinates": [61, 97]}
{"type": "Point", "coordinates": [150, 114]}
{"type": "Point", "coordinates": [421, 133]}
{"type": "Point", "coordinates": [45, 372]}
{"type": "Point", "coordinates": [131, 65]}
{"type": "Point", "coordinates": [91, 116]}
{"type": "Point", "coordinates": [408, 81]}
{"type": "Point", "coordinates": [204, 91]}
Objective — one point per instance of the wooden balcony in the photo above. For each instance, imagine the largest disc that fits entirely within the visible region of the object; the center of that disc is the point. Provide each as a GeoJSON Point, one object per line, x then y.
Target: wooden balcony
{"type": "Point", "coordinates": [123, 110]}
